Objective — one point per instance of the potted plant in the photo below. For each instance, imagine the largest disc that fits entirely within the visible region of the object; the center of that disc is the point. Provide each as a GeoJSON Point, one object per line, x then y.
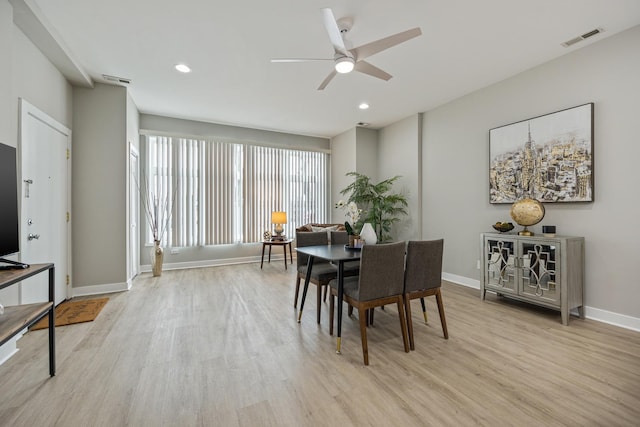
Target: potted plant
{"type": "Point", "coordinates": [380, 205]}
{"type": "Point", "coordinates": [353, 212]}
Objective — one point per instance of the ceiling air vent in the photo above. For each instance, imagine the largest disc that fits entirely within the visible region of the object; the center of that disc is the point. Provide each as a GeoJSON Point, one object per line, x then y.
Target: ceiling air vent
{"type": "Point", "coordinates": [115, 79]}
{"type": "Point", "coordinates": [582, 37]}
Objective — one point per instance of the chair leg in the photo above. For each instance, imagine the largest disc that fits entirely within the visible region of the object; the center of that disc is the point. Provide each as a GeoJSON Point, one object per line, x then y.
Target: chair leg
{"type": "Point", "coordinates": [295, 300]}
{"type": "Point", "coordinates": [371, 311]}
{"type": "Point", "coordinates": [331, 309]}
{"type": "Point", "coordinates": [350, 310]}
{"type": "Point", "coordinates": [324, 297]}
{"type": "Point", "coordinates": [319, 299]}
{"type": "Point", "coordinates": [424, 309]}
{"type": "Point", "coordinates": [403, 326]}
{"type": "Point", "coordinates": [407, 309]}
{"type": "Point", "coordinates": [441, 311]}
{"type": "Point", "coordinates": [362, 316]}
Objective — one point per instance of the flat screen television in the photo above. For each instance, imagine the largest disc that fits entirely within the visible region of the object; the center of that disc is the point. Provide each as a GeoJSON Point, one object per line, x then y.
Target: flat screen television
{"type": "Point", "coordinates": [9, 220]}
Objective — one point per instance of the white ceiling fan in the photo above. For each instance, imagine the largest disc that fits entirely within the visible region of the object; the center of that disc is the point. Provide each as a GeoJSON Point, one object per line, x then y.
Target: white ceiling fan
{"type": "Point", "coordinates": [347, 60]}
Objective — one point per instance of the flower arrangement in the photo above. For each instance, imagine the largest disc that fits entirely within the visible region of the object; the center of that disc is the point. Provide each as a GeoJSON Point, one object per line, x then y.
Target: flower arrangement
{"type": "Point", "coordinates": [352, 211]}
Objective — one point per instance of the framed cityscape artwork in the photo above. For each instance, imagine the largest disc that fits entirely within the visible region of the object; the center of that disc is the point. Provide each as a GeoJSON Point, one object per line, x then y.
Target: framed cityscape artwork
{"type": "Point", "coordinates": [548, 158]}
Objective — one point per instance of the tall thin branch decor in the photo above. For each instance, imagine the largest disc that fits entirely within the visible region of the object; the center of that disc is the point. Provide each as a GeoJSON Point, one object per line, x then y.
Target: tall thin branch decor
{"type": "Point", "coordinates": [158, 209]}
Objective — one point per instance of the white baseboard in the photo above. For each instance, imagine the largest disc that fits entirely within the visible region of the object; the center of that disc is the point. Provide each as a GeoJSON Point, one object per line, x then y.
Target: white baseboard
{"type": "Point", "coordinates": [107, 288]}
{"type": "Point", "coordinates": [597, 314]}
{"type": "Point", "coordinates": [616, 319]}
{"type": "Point", "coordinates": [8, 349]}
{"type": "Point", "coordinates": [461, 280]}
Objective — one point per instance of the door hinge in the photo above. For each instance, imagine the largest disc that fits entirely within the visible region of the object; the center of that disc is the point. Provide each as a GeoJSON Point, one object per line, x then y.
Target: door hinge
{"type": "Point", "coordinates": [68, 153]}
{"type": "Point", "coordinates": [68, 216]}
{"type": "Point", "coordinates": [68, 280]}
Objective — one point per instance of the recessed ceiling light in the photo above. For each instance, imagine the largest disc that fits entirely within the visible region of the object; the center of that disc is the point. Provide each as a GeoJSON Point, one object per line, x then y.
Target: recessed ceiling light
{"type": "Point", "coordinates": [183, 68]}
{"type": "Point", "coordinates": [363, 106]}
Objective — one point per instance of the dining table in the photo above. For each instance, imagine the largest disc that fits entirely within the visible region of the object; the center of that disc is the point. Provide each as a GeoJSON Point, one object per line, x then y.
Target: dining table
{"type": "Point", "coordinates": [337, 254]}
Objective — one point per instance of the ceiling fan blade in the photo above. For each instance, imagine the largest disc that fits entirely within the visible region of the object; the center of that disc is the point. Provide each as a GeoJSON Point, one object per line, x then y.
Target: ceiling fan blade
{"type": "Point", "coordinates": [300, 59]}
{"type": "Point", "coordinates": [326, 81]}
{"type": "Point", "coordinates": [372, 70]}
{"type": "Point", "coordinates": [366, 50]}
{"type": "Point", "coordinates": [333, 31]}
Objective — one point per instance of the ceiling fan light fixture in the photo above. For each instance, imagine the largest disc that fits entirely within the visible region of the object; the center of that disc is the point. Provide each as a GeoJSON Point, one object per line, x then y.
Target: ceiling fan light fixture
{"type": "Point", "coordinates": [344, 64]}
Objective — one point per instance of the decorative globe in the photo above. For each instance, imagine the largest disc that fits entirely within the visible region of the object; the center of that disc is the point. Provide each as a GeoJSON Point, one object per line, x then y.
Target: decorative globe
{"type": "Point", "coordinates": [527, 212]}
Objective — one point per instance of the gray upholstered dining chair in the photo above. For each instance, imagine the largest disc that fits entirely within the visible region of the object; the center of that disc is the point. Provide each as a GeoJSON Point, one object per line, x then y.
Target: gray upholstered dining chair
{"type": "Point", "coordinates": [423, 277]}
{"type": "Point", "coordinates": [380, 282]}
{"type": "Point", "coordinates": [321, 273]}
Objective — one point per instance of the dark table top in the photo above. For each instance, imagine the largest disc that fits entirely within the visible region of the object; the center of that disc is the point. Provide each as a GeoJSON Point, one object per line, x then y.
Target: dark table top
{"type": "Point", "coordinates": [331, 252]}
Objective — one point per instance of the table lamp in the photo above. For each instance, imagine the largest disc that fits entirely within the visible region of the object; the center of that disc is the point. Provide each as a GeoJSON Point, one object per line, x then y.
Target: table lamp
{"type": "Point", "coordinates": [278, 218]}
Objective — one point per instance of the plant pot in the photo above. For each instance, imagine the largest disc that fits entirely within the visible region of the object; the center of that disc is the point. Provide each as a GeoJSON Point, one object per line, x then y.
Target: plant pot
{"type": "Point", "coordinates": [157, 256]}
{"type": "Point", "coordinates": [368, 234]}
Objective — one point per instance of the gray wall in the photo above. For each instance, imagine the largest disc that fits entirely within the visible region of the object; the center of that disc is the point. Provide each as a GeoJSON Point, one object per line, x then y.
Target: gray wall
{"type": "Point", "coordinates": [343, 160]}
{"type": "Point", "coordinates": [455, 165]}
{"type": "Point", "coordinates": [100, 159]}
{"type": "Point", "coordinates": [208, 130]}
{"type": "Point", "coordinates": [399, 154]}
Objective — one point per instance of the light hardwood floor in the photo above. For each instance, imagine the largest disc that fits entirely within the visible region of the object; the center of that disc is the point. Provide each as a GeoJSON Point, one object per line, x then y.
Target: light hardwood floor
{"type": "Point", "coordinates": [221, 347]}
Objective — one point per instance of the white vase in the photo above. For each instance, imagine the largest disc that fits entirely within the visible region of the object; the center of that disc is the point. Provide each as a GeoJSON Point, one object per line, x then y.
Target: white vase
{"type": "Point", "coordinates": [368, 234]}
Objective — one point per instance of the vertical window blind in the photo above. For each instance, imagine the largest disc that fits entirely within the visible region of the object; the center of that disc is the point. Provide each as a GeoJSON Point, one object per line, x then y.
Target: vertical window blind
{"type": "Point", "coordinates": [224, 193]}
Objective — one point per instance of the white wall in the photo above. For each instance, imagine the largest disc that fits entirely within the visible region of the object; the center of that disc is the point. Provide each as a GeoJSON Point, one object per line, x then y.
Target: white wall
{"type": "Point", "coordinates": [7, 115]}
{"type": "Point", "coordinates": [455, 166]}
{"type": "Point", "coordinates": [25, 73]}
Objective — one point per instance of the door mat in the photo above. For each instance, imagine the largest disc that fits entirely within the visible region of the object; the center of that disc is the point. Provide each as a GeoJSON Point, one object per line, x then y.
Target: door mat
{"type": "Point", "coordinates": [74, 311]}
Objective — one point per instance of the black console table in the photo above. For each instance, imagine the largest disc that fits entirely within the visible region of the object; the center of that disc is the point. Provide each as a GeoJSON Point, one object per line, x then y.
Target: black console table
{"type": "Point", "coordinates": [19, 317]}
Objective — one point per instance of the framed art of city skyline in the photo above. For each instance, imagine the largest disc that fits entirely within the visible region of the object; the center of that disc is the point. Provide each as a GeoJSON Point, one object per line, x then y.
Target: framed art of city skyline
{"type": "Point", "coordinates": [548, 158]}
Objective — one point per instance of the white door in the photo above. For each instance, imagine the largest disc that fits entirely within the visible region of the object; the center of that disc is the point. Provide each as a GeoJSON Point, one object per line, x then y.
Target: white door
{"type": "Point", "coordinates": [134, 214]}
{"type": "Point", "coordinates": [44, 230]}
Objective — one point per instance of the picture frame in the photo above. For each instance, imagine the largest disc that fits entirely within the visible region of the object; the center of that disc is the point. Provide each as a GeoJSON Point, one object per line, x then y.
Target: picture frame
{"type": "Point", "coordinates": [548, 158]}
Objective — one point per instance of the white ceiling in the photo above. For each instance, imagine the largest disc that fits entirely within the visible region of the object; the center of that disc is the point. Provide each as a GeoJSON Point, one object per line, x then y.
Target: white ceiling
{"type": "Point", "coordinates": [466, 45]}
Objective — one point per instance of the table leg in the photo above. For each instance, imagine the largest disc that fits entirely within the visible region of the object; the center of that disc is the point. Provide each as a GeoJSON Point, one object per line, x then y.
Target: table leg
{"type": "Point", "coordinates": [270, 253]}
{"type": "Point", "coordinates": [290, 253]}
{"type": "Point", "coordinates": [285, 256]}
{"type": "Point", "coordinates": [340, 294]}
{"type": "Point", "coordinates": [306, 285]}
{"type": "Point", "coordinates": [262, 258]}
{"type": "Point", "coordinates": [52, 323]}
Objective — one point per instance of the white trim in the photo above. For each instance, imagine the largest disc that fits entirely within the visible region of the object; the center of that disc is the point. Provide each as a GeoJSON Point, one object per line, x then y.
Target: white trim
{"type": "Point", "coordinates": [8, 349]}
{"type": "Point", "coordinates": [107, 288]}
{"type": "Point", "coordinates": [597, 314]}
{"type": "Point", "coordinates": [616, 319]}
{"type": "Point", "coordinates": [461, 280]}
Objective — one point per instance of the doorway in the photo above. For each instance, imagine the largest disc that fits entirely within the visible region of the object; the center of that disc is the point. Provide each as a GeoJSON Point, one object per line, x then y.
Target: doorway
{"type": "Point", "coordinates": [45, 202]}
{"type": "Point", "coordinates": [134, 213]}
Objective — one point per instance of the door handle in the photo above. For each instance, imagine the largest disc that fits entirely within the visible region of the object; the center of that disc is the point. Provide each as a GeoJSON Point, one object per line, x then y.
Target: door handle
{"type": "Point", "coordinates": [32, 236]}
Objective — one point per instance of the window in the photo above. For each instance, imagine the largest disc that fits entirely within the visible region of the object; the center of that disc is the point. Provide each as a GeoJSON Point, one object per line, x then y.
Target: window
{"type": "Point", "coordinates": [224, 193]}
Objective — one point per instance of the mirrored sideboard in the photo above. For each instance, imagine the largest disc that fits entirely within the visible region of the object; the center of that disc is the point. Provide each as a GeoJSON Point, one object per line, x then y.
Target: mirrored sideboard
{"type": "Point", "coordinates": [546, 271]}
